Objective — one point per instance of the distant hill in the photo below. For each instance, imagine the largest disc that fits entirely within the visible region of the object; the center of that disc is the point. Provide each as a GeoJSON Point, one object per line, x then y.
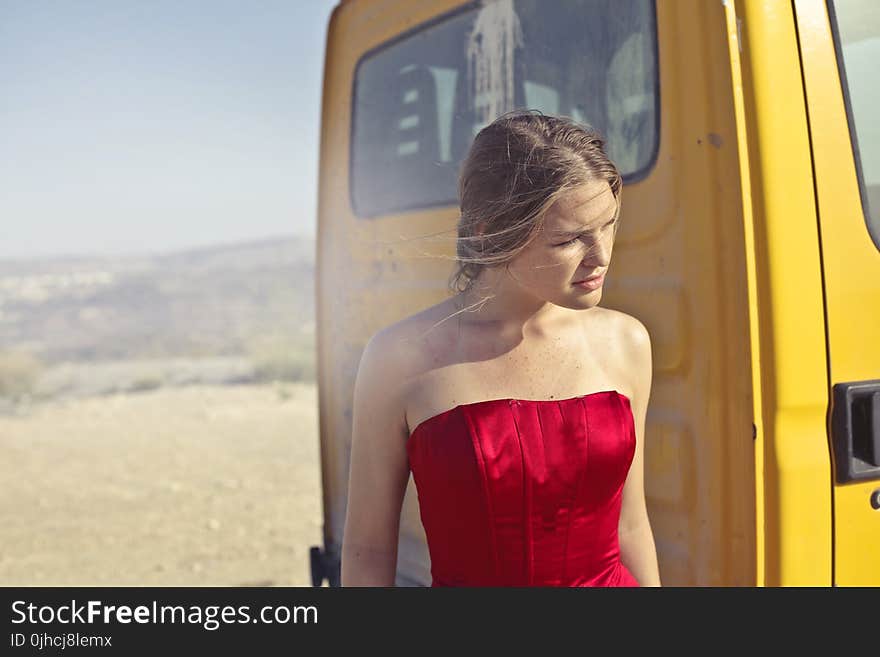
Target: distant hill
{"type": "Point", "coordinates": [80, 326]}
{"type": "Point", "coordinates": [210, 301]}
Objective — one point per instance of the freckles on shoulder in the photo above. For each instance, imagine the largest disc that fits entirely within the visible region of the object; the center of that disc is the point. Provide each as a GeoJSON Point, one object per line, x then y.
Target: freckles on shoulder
{"type": "Point", "coordinates": [639, 356]}
{"type": "Point", "coordinates": [629, 332]}
{"type": "Point", "coordinates": [632, 347]}
{"type": "Point", "coordinates": [637, 334]}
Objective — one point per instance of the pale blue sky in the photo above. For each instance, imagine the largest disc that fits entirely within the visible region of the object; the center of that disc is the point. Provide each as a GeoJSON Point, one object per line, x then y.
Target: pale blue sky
{"type": "Point", "coordinates": [130, 126]}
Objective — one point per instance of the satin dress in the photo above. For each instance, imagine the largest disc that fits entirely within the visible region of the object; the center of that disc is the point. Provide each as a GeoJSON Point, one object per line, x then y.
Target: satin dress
{"type": "Point", "coordinates": [517, 492]}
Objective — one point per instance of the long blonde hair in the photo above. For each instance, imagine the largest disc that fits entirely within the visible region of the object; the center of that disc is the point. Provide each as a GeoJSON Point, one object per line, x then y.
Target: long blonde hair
{"type": "Point", "coordinates": [516, 168]}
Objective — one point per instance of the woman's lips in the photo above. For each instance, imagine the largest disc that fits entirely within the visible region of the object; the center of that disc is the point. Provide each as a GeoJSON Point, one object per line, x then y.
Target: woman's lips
{"type": "Point", "coordinates": [592, 283]}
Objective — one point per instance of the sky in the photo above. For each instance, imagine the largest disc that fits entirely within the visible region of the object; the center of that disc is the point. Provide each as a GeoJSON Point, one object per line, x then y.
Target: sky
{"type": "Point", "coordinates": [134, 126]}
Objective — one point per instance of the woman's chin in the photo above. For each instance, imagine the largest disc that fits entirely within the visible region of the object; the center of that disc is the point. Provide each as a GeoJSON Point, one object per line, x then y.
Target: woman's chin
{"type": "Point", "coordinates": [582, 300]}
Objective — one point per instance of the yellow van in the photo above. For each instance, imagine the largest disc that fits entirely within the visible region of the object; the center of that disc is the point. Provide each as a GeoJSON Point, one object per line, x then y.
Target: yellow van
{"type": "Point", "coordinates": [749, 247]}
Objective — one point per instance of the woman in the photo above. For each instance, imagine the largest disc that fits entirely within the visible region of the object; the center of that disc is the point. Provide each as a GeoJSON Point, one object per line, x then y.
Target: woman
{"type": "Point", "coordinates": [518, 403]}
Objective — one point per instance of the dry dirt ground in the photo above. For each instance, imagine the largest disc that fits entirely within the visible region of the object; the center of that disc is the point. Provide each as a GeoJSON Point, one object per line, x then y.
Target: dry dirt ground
{"type": "Point", "coordinates": [193, 486]}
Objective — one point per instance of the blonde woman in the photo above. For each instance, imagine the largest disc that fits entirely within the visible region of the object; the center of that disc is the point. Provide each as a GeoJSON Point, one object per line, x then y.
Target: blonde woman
{"type": "Point", "coordinates": [518, 404]}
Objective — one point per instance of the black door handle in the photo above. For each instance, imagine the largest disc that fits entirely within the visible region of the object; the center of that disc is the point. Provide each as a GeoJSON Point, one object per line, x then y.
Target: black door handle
{"type": "Point", "coordinates": [855, 430]}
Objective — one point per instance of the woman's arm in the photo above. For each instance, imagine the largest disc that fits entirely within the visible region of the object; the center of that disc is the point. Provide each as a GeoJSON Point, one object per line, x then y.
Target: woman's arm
{"type": "Point", "coordinates": [637, 549]}
{"type": "Point", "coordinates": [379, 470]}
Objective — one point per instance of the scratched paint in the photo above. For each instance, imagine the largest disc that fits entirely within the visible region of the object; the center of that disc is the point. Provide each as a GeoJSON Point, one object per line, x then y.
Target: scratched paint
{"type": "Point", "coordinates": [491, 49]}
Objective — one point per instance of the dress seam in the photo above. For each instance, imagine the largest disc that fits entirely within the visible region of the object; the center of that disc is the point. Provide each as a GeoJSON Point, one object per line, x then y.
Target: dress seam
{"type": "Point", "coordinates": [487, 493]}
{"type": "Point", "coordinates": [529, 553]}
{"type": "Point", "coordinates": [577, 486]}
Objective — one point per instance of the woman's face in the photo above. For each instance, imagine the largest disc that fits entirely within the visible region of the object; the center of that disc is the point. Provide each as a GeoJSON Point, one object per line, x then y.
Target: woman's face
{"type": "Point", "coordinates": [575, 244]}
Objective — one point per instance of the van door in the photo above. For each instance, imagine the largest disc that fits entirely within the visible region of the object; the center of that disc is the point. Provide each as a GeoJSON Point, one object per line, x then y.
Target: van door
{"type": "Point", "coordinates": [840, 48]}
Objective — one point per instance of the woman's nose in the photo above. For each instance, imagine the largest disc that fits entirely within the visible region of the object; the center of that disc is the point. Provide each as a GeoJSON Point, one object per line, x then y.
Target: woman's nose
{"type": "Point", "coordinates": [599, 254]}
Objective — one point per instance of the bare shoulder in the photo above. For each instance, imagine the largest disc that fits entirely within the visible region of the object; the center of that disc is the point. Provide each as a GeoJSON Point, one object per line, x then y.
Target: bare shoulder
{"type": "Point", "coordinates": [380, 388]}
{"type": "Point", "coordinates": [633, 333]}
{"type": "Point", "coordinates": [402, 351]}
{"type": "Point", "coordinates": [624, 329]}
{"type": "Point", "coordinates": [631, 345]}
{"type": "Point", "coordinates": [406, 344]}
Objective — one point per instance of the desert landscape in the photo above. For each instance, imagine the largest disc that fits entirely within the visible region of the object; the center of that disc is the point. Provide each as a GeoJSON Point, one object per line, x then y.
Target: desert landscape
{"type": "Point", "coordinates": [195, 486]}
{"type": "Point", "coordinates": [158, 419]}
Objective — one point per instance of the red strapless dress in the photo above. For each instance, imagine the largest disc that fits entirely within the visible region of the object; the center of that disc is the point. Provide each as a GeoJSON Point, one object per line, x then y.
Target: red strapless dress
{"type": "Point", "coordinates": [517, 492]}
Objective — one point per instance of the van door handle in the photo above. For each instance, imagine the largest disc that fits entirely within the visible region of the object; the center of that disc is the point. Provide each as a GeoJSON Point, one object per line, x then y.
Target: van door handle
{"type": "Point", "coordinates": [855, 430]}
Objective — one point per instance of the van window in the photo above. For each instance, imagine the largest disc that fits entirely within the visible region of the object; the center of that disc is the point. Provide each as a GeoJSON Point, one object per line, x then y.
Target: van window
{"type": "Point", "coordinates": [856, 27]}
{"type": "Point", "coordinates": [420, 99]}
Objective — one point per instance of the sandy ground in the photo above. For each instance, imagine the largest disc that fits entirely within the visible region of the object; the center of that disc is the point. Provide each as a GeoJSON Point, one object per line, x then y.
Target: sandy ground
{"type": "Point", "coordinates": [193, 486]}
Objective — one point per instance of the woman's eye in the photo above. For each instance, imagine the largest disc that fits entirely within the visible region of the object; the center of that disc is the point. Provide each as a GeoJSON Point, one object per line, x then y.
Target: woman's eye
{"type": "Point", "coordinates": [575, 239]}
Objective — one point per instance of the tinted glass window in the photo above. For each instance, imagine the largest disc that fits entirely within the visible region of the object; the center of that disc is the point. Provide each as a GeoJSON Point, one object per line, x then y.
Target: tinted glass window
{"type": "Point", "coordinates": [419, 101]}
{"type": "Point", "coordinates": [857, 24]}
